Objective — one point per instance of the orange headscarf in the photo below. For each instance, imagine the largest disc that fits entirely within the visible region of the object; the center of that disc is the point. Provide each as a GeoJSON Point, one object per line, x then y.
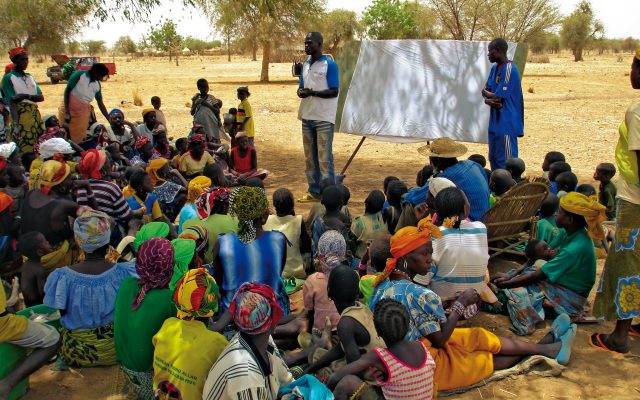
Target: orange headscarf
{"type": "Point", "coordinates": [16, 51]}
{"type": "Point", "coordinates": [407, 240]}
{"type": "Point", "coordinates": [91, 163]}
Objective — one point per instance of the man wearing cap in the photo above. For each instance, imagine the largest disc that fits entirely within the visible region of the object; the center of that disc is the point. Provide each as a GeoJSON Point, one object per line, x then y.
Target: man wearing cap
{"type": "Point", "coordinates": [244, 117]}
{"type": "Point", "coordinates": [150, 124]}
{"type": "Point", "coordinates": [318, 90]}
{"type": "Point", "coordinates": [503, 93]}
{"type": "Point", "coordinates": [467, 175]}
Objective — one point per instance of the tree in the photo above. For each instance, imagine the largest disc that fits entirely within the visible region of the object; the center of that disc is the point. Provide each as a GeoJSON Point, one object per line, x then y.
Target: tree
{"type": "Point", "coordinates": [579, 28]}
{"type": "Point", "coordinates": [73, 47]}
{"type": "Point", "coordinates": [125, 45]}
{"type": "Point", "coordinates": [40, 25]}
{"type": "Point", "coordinates": [630, 44]}
{"type": "Point", "coordinates": [389, 19]}
{"type": "Point", "coordinates": [461, 19]}
{"type": "Point", "coordinates": [196, 45]}
{"type": "Point", "coordinates": [93, 47]}
{"type": "Point", "coordinates": [518, 20]}
{"type": "Point", "coordinates": [427, 25]}
{"type": "Point", "coordinates": [338, 26]}
{"type": "Point", "coordinates": [268, 21]}
{"type": "Point", "coordinates": [165, 38]}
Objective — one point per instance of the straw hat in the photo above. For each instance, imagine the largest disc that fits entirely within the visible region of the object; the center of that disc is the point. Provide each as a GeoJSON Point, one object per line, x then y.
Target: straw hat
{"type": "Point", "coordinates": [443, 148]}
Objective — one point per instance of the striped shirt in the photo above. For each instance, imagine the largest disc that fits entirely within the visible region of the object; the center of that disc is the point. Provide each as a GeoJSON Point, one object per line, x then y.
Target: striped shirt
{"type": "Point", "coordinates": [405, 382]}
{"type": "Point", "coordinates": [240, 374]}
{"type": "Point", "coordinates": [460, 258]}
{"type": "Point", "coordinates": [109, 199]}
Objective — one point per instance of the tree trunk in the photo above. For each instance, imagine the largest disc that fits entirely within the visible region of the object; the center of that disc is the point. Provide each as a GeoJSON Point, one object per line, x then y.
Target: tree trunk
{"type": "Point", "coordinates": [228, 49]}
{"type": "Point", "coordinates": [254, 51]}
{"type": "Point", "coordinates": [170, 56]}
{"type": "Point", "coordinates": [577, 54]}
{"type": "Point", "coordinates": [177, 65]}
{"type": "Point", "coordinates": [266, 55]}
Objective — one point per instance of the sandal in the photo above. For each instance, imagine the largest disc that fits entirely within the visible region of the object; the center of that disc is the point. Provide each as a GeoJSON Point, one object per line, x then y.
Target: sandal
{"type": "Point", "coordinates": [308, 198]}
{"type": "Point", "coordinates": [567, 343]}
{"type": "Point", "coordinates": [596, 342]}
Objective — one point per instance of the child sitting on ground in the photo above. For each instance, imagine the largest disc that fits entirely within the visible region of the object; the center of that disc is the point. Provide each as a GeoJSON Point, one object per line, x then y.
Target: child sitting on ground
{"type": "Point", "coordinates": [586, 189]}
{"type": "Point", "coordinates": [538, 252]}
{"type": "Point", "coordinates": [370, 225]}
{"type": "Point", "coordinates": [391, 215]}
{"type": "Point", "coordinates": [143, 198]}
{"type": "Point", "coordinates": [516, 168]}
{"type": "Point", "coordinates": [407, 366]}
{"type": "Point", "coordinates": [356, 331]}
{"type": "Point", "coordinates": [385, 189]}
{"type": "Point", "coordinates": [499, 183]}
{"type": "Point", "coordinates": [346, 196]}
{"type": "Point", "coordinates": [608, 191]}
{"type": "Point", "coordinates": [556, 169]}
{"type": "Point", "coordinates": [378, 251]}
{"type": "Point", "coordinates": [547, 229]}
{"type": "Point", "coordinates": [243, 161]}
{"type": "Point", "coordinates": [333, 219]}
{"type": "Point", "coordinates": [550, 158]}
{"type": "Point", "coordinates": [482, 161]}
{"type": "Point", "coordinates": [16, 186]}
{"type": "Point", "coordinates": [33, 245]}
{"type": "Point", "coordinates": [181, 148]}
{"type": "Point", "coordinates": [566, 182]}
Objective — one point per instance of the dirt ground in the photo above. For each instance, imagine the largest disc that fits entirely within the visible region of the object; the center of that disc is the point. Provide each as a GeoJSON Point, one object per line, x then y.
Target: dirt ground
{"type": "Point", "coordinates": [570, 107]}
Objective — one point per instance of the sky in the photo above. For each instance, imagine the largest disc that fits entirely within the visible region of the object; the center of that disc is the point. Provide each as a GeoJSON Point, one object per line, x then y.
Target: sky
{"type": "Point", "coordinates": [619, 18]}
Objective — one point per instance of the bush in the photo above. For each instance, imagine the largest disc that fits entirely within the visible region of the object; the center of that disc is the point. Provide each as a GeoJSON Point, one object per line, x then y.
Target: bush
{"type": "Point", "coordinates": [137, 98]}
{"type": "Point", "coordinates": [538, 59]}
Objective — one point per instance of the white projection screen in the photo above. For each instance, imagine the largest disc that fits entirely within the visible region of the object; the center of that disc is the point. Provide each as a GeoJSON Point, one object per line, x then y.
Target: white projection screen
{"type": "Point", "coordinates": [416, 90]}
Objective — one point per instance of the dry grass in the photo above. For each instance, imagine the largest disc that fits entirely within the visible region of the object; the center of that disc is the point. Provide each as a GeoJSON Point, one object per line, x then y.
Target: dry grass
{"type": "Point", "coordinates": [538, 59]}
{"type": "Point", "coordinates": [137, 98]}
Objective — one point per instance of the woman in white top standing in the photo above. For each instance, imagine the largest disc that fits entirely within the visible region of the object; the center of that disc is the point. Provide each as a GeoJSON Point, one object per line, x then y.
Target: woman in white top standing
{"type": "Point", "coordinates": [22, 93]}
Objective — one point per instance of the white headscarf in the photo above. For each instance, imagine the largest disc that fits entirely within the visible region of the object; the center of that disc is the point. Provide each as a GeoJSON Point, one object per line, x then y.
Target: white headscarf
{"type": "Point", "coordinates": [7, 149]}
{"type": "Point", "coordinates": [437, 184]}
{"type": "Point", "coordinates": [53, 146]}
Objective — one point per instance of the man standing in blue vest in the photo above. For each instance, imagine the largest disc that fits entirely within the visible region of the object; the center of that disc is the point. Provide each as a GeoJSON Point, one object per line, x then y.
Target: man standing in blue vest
{"type": "Point", "coordinates": [318, 90]}
{"type": "Point", "coordinates": [503, 93]}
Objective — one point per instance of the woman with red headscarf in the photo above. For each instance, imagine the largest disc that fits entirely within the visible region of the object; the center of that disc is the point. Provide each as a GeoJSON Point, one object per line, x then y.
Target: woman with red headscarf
{"type": "Point", "coordinates": [22, 93]}
{"type": "Point", "coordinates": [463, 356]}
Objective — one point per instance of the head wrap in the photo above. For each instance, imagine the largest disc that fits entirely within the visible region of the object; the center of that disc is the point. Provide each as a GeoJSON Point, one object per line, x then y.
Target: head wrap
{"type": "Point", "coordinates": [51, 147]}
{"type": "Point", "coordinates": [197, 138]}
{"type": "Point", "coordinates": [154, 166]}
{"type": "Point", "coordinates": [154, 265]}
{"type": "Point", "coordinates": [52, 173]}
{"type": "Point", "coordinates": [141, 141]}
{"type": "Point", "coordinates": [198, 234]}
{"type": "Point", "coordinates": [255, 309]}
{"type": "Point", "coordinates": [150, 230]}
{"type": "Point", "coordinates": [196, 295]}
{"type": "Point", "coordinates": [8, 149]}
{"type": "Point", "coordinates": [115, 111]}
{"type": "Point", "coordinates": [46, 118]}
{"type": "Point", "coordinates": [6, 201]}
{"type": "Point", "coordinates": [91, 162]}
{"type": "Point", "coordinates": [588, 207]}
{"type": "Point", "coordinates": [248, 203]}
{"type": "Point", "coordinates": [405, 241]}
{"type": "Point", "coordinates": [210, 199]}
{"type": "Point", "coordinates": [147, 111]}
{"type": "Point", "coordinates": [95, 130]}
{"type": "Point", "coordinates": [196, 187]}
{"type": "Point", "coordinates": [438, 184]}
{"type": "Point", "coordinates": [241, 135]}
{"type": "Point", "coordinates": [184, 251]}
{"type": "Point", "coordinates": [8, 68]}
{"type": "Point", "coordinates": [16, 51]}
{"type": "Point", "coordinates": [332, 243]}
{"type": "Point", "coordinates": [244, 89]}
{"type": "Point", "coordinates": [92, 230]}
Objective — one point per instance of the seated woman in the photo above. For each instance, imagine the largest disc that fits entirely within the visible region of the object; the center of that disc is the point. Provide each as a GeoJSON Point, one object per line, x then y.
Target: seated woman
{"type": "Point", "coordinates": [142, 306]}
{"type": "Point", "coordinates": [564, 282]}
{"type": "Point", "coordinates": [161, 145]}
{"type": "Point", "coordinates": [184, 347]}
{"type": "Point", "coordinates": [193, 161]}
{"type": "Point", "coordinates": [196, 187]}
{"type": "Point", "coordinates": [461, 256]}
{"type": "Point", "coordinates": [463, 356]}
{"type": "Point", "coordinates": [171, 195]}
{"type": "Point", "coordinates": [119, 132]}
{"type": "Point", "coordinates": [243, 162]}
{"type": "Point", "coordinates": [49, 209]}
{"type": "Point", "coordinates": [253, 254]}
{"type": "Point", "coordinates": [145, 153]}
{"type": "Point", "coordinates": [85, 294]}
{"type": "Point", "coordinates": [250, 367]}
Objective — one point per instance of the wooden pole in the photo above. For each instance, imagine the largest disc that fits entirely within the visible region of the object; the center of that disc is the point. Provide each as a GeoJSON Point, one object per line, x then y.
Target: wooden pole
{"type": "Point", "coordinates": [352, 155]}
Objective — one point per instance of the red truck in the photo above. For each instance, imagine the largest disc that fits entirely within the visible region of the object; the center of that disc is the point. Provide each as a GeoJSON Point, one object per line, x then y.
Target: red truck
{"type": "Point", "coordinates": [59, 73]}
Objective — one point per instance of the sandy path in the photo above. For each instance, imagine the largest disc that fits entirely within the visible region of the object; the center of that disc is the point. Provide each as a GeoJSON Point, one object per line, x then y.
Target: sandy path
{"type": "Point", "coordinates": [575, 108]}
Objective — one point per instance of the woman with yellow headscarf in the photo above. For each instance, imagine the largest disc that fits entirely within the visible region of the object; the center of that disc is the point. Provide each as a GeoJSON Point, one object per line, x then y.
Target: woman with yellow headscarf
{"type": "Point", "coordinates": [618, 295]}
{"type": "Point", "coordinates": [565, 281]}
{"type": "Point", "coordinates": [463, 356]}
{"type": "Point", "coordinates": [169, 193]}
{"type": "Point", "coordinates": [49, 209]}
{"type": "Point", "coordinates": [197, 186]}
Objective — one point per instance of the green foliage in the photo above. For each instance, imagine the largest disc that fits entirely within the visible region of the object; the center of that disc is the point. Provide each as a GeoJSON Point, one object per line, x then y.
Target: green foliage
{"type": "Point", "coordinates": [389, 19]}
{"type": "Point", "coordinates": [461, 19]}
{"type": "Point", "coordinates": [580, 27]}
{"type": "Point", "coordinates": [40, 25]}
{"type": "Point", "coordinates": [73, 47]}
{"type": "Point", "coordinates": [129, 10]}
{"type": "Point", "coordinates": [199, 46]}
{"type": "Point", "coordinates": [427, 26]}
{"type": "Point", "coordinates": [165, 38]}
{"type": "Point", "coordinates": [518, 20]}
{"type": "Point", "coordinates": [125, 45]}
{"type": "Point", "coordinates": [629, 44]}
{"type": "Point", "coordinates": [337, 27]}
{"type": "Point", "coordinates": [93, 47]}
{"type": "Point", "coordinates": [544, 42]}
